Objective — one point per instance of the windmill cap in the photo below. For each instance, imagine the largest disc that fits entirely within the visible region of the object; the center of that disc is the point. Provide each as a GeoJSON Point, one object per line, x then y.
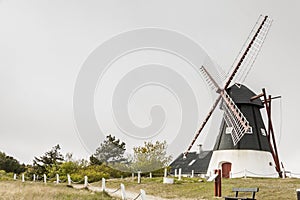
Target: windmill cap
{"type": "Point", "coordinates": [241, 94]}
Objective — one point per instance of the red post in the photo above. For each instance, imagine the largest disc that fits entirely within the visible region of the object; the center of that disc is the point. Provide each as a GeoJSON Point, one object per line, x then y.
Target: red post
{"type": "Point", "coordinates": [218, 188]}
{"type": "Point", "coordinates": [220, 183]}
{"type": "Point", "coordinates": [216, 183]}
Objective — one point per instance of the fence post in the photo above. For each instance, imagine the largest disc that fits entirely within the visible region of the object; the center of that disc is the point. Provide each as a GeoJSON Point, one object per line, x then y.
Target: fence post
{"type": "Point", "coordinates": [45, 178]}
{"type": "Point", "coordinates": [15, 176]}
{"type": "Point", "coordinates": [283, 173]}
{"type": "Point", "coordinates": [143, 194]}
{"type": "Point", "coordinates": [139, 177]}
{"type": "Point", "coordinates": [192, 174]}
{"type": "Point", "coordinates": [33, 177]}
{"type": "Point", "coordinates": [179, 175]}
{"type": "Point", "coordinates": [230, 174]}
{"type": "Point", "coordinates": [166, 173]}
{"type": "Point", "coordinates": [103, 185]}
{"type": "Point", "coordinates": [132, 175]}
{"type": "Point", "coordinates": [245, 174]}
{"type": "Point", "coordinates": [85, 181]}
{"type": "Point", "coordinates": [69, 179]}
{"type": "Point", "coordinates": [123, 194]}
{"type": "Point", "coordinates": [57, 178]}
{"type": "Point", "coordinates": [175, 172]}
{"type": "Point", "coordinates": [150, 175]}
{"type": "Point", "coordinates": [23, 178]}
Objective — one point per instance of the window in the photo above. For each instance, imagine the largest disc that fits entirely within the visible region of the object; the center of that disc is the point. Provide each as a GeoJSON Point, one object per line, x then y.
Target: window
{"type": "Point", "coordinates": [192, 162]}
{"type": "Point", "coordinates": [249, 131]}
{"type": "Point", "coordinates": [228, 130]}
{"type": "Point", "coordinates": [263, 132]}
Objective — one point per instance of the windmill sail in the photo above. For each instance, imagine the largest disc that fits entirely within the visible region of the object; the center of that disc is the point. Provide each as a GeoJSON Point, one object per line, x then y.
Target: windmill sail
{"type": "Point", "coordinates": [254, 48]}
{"type": "Point", "coordinates": [234, 118]}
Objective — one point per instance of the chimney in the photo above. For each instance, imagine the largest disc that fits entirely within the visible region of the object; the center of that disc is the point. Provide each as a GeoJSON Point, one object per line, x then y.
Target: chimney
{"type": "Point", "coordinates": [200, 150]}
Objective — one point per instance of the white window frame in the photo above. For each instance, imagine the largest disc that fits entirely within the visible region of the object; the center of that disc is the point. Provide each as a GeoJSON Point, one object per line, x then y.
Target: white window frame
{"type": "Point", "coordinates": [263, 131]}
{"type": "Point", "coordinates": [192, 162]}
{"type": "Point", "coordinates": [249, 131]}
{"type": "Point", "coordinates": [228, 130]}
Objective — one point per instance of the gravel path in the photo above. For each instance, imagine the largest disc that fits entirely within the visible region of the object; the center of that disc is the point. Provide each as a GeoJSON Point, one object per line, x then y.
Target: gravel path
{"type": "Point", "coordinates": [129, 195]}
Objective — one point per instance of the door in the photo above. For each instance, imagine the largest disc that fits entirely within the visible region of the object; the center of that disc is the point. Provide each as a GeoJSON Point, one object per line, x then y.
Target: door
{"type": "Point", "coordinates": [226, 169]}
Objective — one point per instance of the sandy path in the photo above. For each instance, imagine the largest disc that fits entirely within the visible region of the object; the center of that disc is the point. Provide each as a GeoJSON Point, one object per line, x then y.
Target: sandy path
{"type": "Point", "coordinates": [129, 194]}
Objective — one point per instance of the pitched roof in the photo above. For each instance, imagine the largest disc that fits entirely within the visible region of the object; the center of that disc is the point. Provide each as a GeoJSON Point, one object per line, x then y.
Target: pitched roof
{"type": "Point", "coordinates": [240, 94]}
{"type": "Point", "coordinates": [193, 161]}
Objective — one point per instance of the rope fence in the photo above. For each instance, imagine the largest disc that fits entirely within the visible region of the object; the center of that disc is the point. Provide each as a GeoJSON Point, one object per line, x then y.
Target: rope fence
{"type": "Point", "coordinates": [243, 173]}
{"type": "Point", "coordinates": [56, 180]}
{"type": "Point", "coordinates": [142, 194]}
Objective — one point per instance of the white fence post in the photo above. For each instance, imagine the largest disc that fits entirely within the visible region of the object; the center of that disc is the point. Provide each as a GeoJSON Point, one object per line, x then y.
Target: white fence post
{"type": "Point", "coordinates": [143, 194]}
{"type": "Point", "coordinates": [175, 172]}
{"type": "Point", "coordinates": [139, 177]}
{"type": "Point", "coordinates": [179, 175]}
{"type": "Point", "coordinates": [123, 194]}
{"type": "Point", "coordinates": [166, 173]}
{"type": "Point", "coordinates": [150, 175]}
{"type": "Point", "coordinates": [245, 173]}
{"type": "Point", "coordinates": [132, 175]}
{"type": "Point", "coordinates": [45, 178]}
{"type": "Point", "coordinates": [57, 178]}
{"type": "Point", "coordinates": [103, 185]}
{"type": "Point", "coordinates": [230, 174]}
{"type": "Point", "coordinates": [23, 178]}
{"type": "Point", "coordinates": [69, 179]}
{"type": "Point", "coordinates": [33, 177]}
{"type": "Point", "coordinates": [85, 181]}
{"type": "Point", "coordinates": [15, 176]}
{"type": "Point", "coordinates": [192, 174]}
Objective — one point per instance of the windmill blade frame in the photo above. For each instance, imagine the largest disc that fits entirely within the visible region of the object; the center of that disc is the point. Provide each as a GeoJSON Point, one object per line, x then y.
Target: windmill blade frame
{"type": "Point", "coordinates": [203, 124]}
{"type": "Point", "coordinates": [234, 118]}
{"type": "Point", "coordinates": [239, 64]}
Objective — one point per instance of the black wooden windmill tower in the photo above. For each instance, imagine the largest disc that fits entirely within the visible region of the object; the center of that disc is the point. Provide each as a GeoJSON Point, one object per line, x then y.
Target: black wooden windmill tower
{"type": "Point", "coordinates": [244, 144]}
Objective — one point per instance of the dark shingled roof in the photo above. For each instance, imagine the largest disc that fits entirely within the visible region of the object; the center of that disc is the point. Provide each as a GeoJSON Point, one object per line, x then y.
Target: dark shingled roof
{"type": "Point", "coordinates": [199, 166]}
{"type": "Point", "coordinates": [240, 94]}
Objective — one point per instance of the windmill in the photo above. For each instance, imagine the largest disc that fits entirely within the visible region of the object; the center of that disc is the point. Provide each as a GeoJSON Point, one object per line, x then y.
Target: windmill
{"type": "Point", "coordinates": [242, 127]}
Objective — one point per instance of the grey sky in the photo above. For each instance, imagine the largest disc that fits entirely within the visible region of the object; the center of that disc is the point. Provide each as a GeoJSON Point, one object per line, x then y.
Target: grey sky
{"type": "Point", "coordinates": [44, 43]}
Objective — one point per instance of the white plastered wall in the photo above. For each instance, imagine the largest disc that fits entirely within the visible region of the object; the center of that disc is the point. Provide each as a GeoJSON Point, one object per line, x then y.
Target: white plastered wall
{"type": "Point", "coordinates": [244, 162]}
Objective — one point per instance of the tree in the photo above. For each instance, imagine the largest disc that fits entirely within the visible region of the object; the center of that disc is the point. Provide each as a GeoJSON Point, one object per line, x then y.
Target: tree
{"type": "Point", "coordinates": [94, 160]}
{"type": "Point", "coordinates": [10, 164]}
{"type": "Point", "coordinates": [111, 151]}
{"type": "Point", "coordinates": [151, 156]}
{"type": "Point", "coordinates": [49, 162]}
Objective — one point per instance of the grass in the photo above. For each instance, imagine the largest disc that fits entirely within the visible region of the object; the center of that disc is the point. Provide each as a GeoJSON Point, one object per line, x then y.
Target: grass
{"type": "Point", "coordinates": [35, 191]}
{"type": "Point", "coordinates": [187, 188]}
{"type": "Point", "coordinates": [192, 188]}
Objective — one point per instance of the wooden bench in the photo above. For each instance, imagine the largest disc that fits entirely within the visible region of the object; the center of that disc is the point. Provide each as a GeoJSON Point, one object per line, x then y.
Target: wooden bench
{"type": "Point", "coordinates": [237, 190]}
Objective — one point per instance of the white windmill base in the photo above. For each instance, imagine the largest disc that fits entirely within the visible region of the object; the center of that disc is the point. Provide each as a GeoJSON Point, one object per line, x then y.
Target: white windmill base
{"type": "Point", "coordinates": [244, 163]}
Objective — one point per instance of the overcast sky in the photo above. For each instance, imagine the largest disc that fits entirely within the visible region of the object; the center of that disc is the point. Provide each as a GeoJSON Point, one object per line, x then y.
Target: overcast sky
{"type": "Point", "coordinates": [43, 45]}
